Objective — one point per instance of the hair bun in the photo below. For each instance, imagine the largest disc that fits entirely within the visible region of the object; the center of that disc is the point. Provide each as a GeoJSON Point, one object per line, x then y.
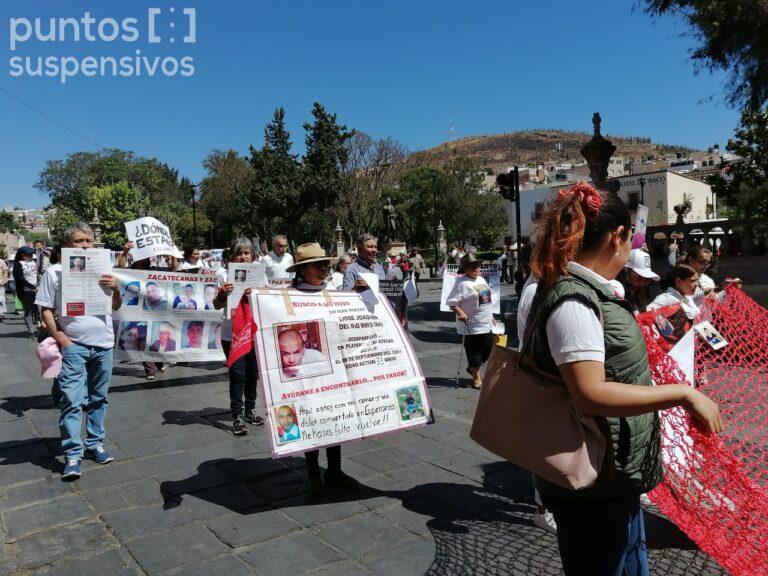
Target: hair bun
{"type": "Point", "coordinates": [590, 199]}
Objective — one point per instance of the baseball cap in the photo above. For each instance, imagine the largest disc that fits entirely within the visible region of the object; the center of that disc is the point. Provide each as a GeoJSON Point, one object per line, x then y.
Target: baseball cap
{"type": "Point", "coordinates": [27, 250]}
{"type": "Point", "coordinates": [640, 263]}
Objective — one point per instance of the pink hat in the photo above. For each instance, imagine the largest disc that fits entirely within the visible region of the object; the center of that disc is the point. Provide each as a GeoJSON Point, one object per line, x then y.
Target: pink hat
{"type": "Point", "coordinates": [50, 358]}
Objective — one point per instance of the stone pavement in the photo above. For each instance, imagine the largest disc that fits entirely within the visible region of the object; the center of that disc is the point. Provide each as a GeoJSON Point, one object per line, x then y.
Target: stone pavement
{"type": "Point", "coordinates": [184, 496]}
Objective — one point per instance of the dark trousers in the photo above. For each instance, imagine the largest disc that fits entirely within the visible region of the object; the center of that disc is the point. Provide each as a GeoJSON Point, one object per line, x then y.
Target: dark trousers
{"type": "Point", "coordinates": [478, 347]}
{"type": "Point", "coordinates": [31, 312]}
{"type": "Point", "coordinates": [600, 537]}
{"type": "Point", "coordinates": [243, 377]}
{"type": "Point", "coordinates": [313, 461]}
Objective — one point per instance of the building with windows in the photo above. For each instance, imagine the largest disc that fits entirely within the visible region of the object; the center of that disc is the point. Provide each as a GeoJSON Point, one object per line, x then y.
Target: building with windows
{"type": "Point", "coordinates": [660, 191]}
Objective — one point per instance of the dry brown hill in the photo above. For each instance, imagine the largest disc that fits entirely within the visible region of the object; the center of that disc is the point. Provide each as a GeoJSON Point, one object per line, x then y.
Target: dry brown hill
{"type": "Point", "coordinates": [497, 151]}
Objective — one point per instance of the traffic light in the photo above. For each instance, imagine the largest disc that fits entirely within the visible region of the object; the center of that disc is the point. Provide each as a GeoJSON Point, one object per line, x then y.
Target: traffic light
{"type": "Point", "coordinates": [508, 185]}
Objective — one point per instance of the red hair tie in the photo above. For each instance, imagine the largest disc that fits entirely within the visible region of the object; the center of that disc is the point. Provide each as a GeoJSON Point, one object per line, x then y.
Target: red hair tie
{"type": "Point", "coordinates": [590, 199]}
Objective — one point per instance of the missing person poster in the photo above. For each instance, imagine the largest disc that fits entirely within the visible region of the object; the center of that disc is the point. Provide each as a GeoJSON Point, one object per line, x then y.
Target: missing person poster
{"type": "Point", "coordinates": [667, 325]}
{"type": "Point", "coordinates": [81, 294]}
{"type": "Point", "coordinates": [167, 317]}
{"type": "Point", "coordinates": [243, 276]}
{"type": "Point", "coordinates": [492, 275]}
{"type": "Point", "coordinates": [333, 371]}
{"type": "Point", "coordinates": [150, 238]}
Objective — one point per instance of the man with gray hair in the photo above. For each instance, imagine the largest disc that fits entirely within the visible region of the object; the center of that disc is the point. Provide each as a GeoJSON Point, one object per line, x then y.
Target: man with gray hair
{"type": "Point", "coordinates": [86, 347]}
{"type": "Point", "coordinates": [279, 260]}
{"type": "Point", "coordinates": [367, 249]}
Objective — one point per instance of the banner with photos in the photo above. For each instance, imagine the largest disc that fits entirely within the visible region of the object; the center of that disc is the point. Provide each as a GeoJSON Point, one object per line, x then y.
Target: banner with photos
{"type": "Point", "coordinates": [333, 369]}
{"type": "Point", "coordinates": [167, 317]}
{"type": "Point", "coordinates": [491, 273]}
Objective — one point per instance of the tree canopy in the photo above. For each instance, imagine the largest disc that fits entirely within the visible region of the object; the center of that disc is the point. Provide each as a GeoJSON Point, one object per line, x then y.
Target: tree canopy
{"type": "Point", "coordinates": [742, 184]}
{"type": "Point", "coordinates": [731, 36]}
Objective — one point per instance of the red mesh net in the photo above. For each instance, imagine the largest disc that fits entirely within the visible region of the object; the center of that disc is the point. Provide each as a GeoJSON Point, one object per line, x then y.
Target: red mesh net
{"type": "Point", "coordinates": [716, 487]}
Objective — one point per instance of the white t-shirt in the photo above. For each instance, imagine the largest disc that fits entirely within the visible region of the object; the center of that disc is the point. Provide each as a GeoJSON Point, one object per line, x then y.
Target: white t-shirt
{"type": "Point", "coordinates": [706, 284]}
{"type": "Point", "coordinates": [474, 297]}
{"type": "Point", "coordinates": [277, 266]}
{"type": "Point", "coordinates": [524, 306]}
{"type": "Point", "coordinates": [574, 332]}
{"type": "Point", "coordinates": [672, 296]}
{"type": "Point", "coordinates": [86, 330]}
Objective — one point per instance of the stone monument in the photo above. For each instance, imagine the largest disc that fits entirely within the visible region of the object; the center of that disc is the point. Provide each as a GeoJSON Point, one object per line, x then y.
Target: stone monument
{"type": "Point", "coordinates": [597, 152]}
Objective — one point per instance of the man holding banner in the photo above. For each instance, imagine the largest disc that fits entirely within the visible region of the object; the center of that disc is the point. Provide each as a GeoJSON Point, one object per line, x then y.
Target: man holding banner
{"type": "Point", "coordinates": [86, 347]}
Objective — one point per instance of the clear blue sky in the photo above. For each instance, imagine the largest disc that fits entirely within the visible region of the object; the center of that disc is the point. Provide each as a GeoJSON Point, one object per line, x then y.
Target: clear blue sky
{"type": "Point", "coordinates": [403, 69]}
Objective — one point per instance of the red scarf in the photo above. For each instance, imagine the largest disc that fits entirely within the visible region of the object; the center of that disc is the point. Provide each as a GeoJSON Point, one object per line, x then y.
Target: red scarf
{"type": "Point", "coordinates": [243, 330]}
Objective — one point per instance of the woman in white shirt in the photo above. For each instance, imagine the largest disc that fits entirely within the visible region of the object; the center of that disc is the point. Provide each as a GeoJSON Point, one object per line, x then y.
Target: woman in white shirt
{"type": "Point", "coordinates": [583, 241]}
{"type": "Point", "coordinates": [685, 282]}
{"type": "Point", "coordinates": [472, 302]}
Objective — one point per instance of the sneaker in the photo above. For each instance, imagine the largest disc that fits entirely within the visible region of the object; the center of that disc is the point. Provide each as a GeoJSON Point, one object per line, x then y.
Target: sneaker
{"type": "Point", "coordinates": [545, 521]}
{"type": "Point", "coordinates": [162, 367]}
{"type": "Point", "coordinates": [99, 455]}
{"type": "Point", "coordinates": [341, 480]}
{"type": "Point", "coordinates": [250, 416]}
{"type": "Point", "coordinates": [71, 470]}
{"type": "Point", "coordinates": [238, 427]}
{"type": "Point", "coordinates": [150, 376]}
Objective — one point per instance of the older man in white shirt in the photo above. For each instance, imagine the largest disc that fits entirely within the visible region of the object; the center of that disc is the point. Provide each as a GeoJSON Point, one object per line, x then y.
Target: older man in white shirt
{"type": "Point", "coordinates": [279, 260]}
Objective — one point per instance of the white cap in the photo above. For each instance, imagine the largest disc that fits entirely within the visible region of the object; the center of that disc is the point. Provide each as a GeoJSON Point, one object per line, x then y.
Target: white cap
{"type": "Point", "coordinates": [640, 263]}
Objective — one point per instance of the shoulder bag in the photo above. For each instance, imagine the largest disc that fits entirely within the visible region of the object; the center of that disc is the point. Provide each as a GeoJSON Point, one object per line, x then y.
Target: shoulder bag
{"type": "Point", "coordinates": [526, 416]}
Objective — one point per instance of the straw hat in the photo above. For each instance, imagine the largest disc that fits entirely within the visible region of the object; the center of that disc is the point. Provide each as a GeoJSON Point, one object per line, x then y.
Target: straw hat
{"type": "Point", "coordinates": [310, 252]}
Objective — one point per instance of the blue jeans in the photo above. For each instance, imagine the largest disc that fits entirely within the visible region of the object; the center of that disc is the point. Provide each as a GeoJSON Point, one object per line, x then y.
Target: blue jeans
{"type": "Point", "coordinates": [600, 537]}
{"type": "Point", "coordinates": [84, 382]}
{"type": "Point", "coordinates": [243, 379]}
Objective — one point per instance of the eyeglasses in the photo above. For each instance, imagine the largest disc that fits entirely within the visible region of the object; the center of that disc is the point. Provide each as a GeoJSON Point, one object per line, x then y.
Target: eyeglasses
{"type": "Point", "coordinates": [704, 262]}
{"type": "Point", "coordinates": [281, 245]}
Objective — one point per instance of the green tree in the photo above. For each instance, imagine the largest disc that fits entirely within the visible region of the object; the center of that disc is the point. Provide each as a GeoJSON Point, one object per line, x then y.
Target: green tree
{"type": "Point", "coordinates": [8, 222]}
{"type": "Point", "coordinates": [731, 36]}
{"type": "Point", "coordinates": [742, 184]}
{"type": "Point", "coordinates": [68, 182]}
{"type": "Point", "coordinates": [224, 194]}
{"type": "Point", "coordinates": [322, 172]}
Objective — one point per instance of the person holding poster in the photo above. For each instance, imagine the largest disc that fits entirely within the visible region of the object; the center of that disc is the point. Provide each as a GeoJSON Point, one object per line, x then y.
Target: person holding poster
{"type": "Point", "coordinates": [86, 347]}
{"type": "Point", "coordinates": [243, 373]}
{"type": "Point", "coordinates": [367, 249]}
{"type": "Point", "coordinates": [311, 269]}
{"type": "Point", "coordinates": [685, 281]}
{"type": "Point", "coordinates": [471, 301]}
{"type": "Point", "coordinates": [589, 337]}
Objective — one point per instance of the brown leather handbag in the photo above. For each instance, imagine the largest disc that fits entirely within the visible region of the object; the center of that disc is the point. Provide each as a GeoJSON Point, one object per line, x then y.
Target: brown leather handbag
{"type": "Point", "coordinates": [526, 416]}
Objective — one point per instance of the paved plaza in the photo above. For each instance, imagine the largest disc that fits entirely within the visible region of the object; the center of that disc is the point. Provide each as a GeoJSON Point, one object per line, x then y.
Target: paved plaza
{"type": "Point", "coordinates": [185, 496]}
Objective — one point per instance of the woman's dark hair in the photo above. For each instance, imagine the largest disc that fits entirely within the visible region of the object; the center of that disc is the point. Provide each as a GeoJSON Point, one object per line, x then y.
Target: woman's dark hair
{"type": "Point", "coordinates": [681, 272]}
{"type": "Point", "coordinates": [697, 252]}
{"type": "Point", "coordinates": [55, 256]}
{"type": "Point", "coordinates": [188, 253]}
{"type": "Point", "coordinates": [564, 231]}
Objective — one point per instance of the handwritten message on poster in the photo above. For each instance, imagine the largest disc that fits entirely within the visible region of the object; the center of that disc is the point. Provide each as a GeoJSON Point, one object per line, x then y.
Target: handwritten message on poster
{"type": "Point", "coordinates": [150, 238]}
{"type": "Point", "coordinates": [492, 275]}
{"type": "Point", "coordinates": [332, 371]}
{"type": "Point", "coordinates": [167, 316]}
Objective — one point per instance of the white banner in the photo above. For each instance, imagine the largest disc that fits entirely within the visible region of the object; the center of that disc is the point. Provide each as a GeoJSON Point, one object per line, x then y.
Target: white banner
{"type": "Point", "coordinates": [81, 294]}
{"type": "Point", "coordinates": [332, 370]}
{"type": "Point", "coordinates": [150, 237]}
{"type": "Point", "coordinates": [491, 273]}
{"type": "Point", "coordinates": [167, 316]}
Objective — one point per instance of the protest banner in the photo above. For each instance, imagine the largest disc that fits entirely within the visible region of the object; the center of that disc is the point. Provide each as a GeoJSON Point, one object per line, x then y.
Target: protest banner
{"type": "Point", "coordinates": [167, 317]}
{"type": "Point", "coordinates": [641, 223]}
{"type": "Point", "coordinates": [491, 273]}
{"type": "Point", "coordinates": [81, 294]}
{"type": "Point", "coordinates": [333, 369]}
{"type": "Point", "coordinates": [150, 238]}
{"type": "Point", "coordinates": [243, 276]}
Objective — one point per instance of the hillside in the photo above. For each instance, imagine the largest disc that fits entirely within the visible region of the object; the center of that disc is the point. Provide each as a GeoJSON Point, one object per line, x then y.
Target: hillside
{"type": "Point", "coordinates": [498, 151]}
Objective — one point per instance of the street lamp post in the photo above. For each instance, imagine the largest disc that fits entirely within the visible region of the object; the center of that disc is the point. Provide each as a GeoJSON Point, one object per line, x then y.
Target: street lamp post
{"type": "Point", "coordinates": [433, 173]}
{"type": "Point", "coordinates": [641, 180]}
{"type": "Point", "coordinates": [194, 212]}
{"type": "Point", "coordinates": [509, 186]}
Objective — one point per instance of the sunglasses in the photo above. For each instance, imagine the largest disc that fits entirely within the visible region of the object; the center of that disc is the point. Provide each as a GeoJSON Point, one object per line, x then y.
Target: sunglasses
{"type": "Point", "coordinates": [320, 265]}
